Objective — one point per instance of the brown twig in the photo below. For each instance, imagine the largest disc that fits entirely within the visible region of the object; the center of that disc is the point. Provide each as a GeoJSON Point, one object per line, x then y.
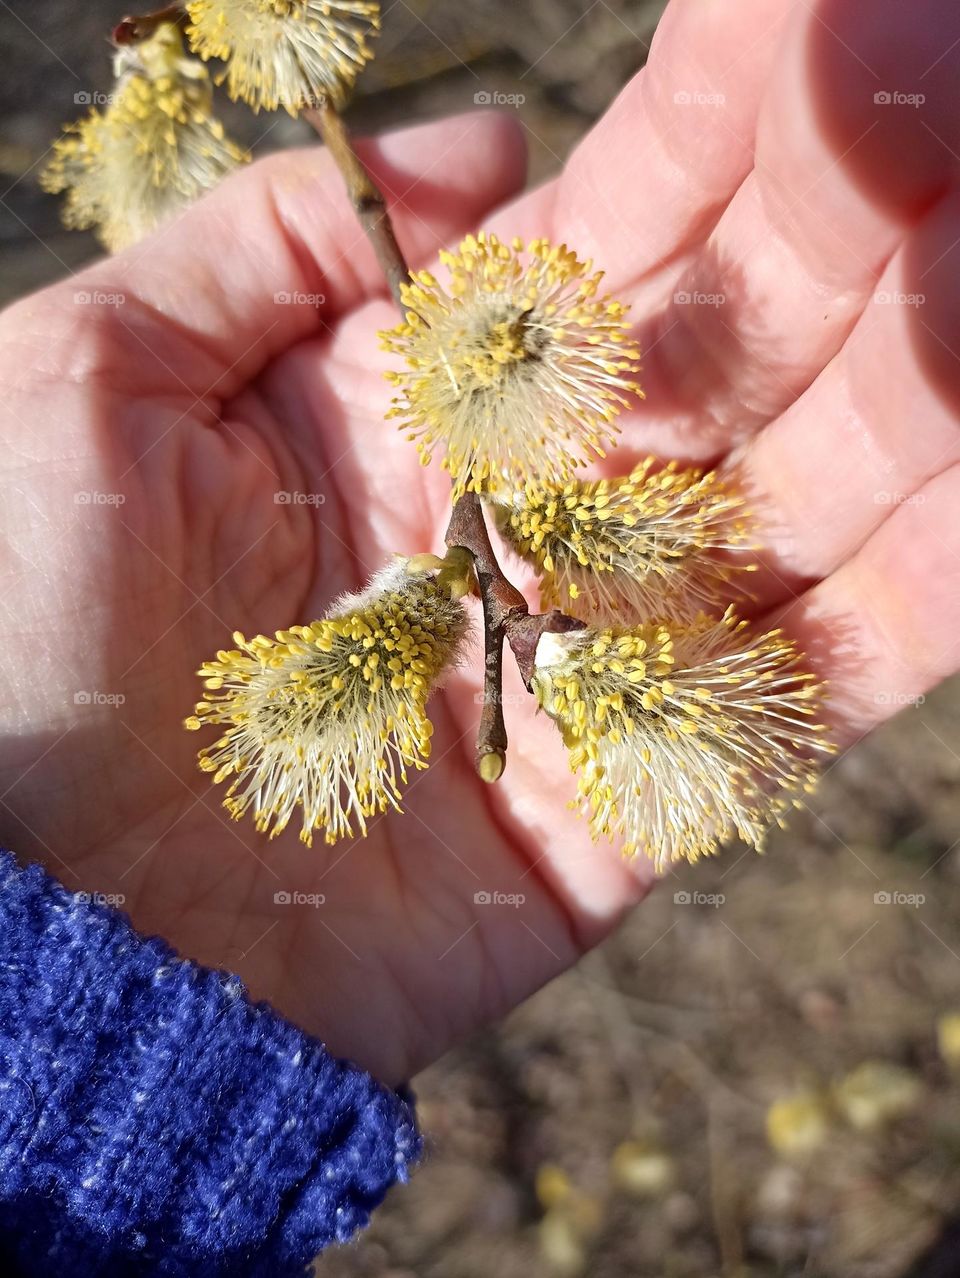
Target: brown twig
{"type": "Point", "coordinates": [365, 196]}
{"type": "Point", "coordinates": [134, 29]}
{"type": "Point", "coordinates": [505, 615]}
{"type": "Point", "coordinates": [501, 602]}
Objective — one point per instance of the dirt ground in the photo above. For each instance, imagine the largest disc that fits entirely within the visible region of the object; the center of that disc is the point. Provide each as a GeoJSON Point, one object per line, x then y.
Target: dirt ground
{"type": "Point", "coordinates": [759, 1075]}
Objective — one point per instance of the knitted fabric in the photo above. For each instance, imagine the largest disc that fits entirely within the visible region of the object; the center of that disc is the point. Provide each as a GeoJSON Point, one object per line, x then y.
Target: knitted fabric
{"type": "Point", "coordinates": [153, 1120]}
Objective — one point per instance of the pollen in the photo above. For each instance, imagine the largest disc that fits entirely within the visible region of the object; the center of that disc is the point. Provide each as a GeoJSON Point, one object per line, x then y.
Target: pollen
{"type": "Point", "coordinates": [285, 53]}
{"type": "Point", "coordinates": [328, 719]}
{"type": "Point", "coordinates": [683, 736]}
{"type": "Point", "coordinates": [516, 369]}
{"type": "Point", "coordinates": [155, 147]}
{"type": "Point", "coordinates": [617, 551]}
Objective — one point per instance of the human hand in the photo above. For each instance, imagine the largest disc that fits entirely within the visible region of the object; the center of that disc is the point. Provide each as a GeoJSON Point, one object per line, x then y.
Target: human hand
{"type": "Point", "coordinates": [199, 399]}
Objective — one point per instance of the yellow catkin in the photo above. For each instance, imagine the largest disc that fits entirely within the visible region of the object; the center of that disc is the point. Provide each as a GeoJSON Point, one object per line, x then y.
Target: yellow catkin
{"type": "Point", "coordinates": [285, 53]}
{"type": "Point", "coordinates": [516, 369]}
{"type": "Point", "coordinates": [650, 544]}
{"type": "Point", "coordinates": [327, 718]}
{"type": "Point", "coordinates": [683, 736]}
{"type": "Point", "coordinates": [154, 147]}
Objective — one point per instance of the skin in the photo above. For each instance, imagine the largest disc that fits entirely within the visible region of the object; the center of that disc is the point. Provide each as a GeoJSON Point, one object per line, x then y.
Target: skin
{"type": "Point", "coordinates": [781, 185]}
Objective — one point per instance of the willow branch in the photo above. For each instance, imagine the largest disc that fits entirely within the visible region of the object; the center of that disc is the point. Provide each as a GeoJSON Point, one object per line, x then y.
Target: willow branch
{"type": "Point", "coordinates": [505, 615]}
{"type": "Point", "coordinates": [365, 196]}
{"type": "Point", "coordinates": [501, 601]}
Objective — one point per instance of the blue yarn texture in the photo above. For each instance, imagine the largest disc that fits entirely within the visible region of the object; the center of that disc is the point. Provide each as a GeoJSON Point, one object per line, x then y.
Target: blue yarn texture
{"type": "Point", "coordinates": [154, 1120]}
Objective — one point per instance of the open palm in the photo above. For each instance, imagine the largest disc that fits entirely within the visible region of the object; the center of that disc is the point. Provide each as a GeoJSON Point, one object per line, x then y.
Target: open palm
{"type": "Point", "coordinates": [194, 441]}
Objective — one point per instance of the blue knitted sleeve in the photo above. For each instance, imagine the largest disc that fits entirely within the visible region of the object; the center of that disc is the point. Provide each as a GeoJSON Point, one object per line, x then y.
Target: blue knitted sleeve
{"type": "Point", "coordinates": [153, 1120]}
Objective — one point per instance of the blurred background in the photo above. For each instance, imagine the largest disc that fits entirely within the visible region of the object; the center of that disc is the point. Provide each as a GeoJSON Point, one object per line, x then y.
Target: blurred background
{"type": "Point", "coordinates": [759, 1077]}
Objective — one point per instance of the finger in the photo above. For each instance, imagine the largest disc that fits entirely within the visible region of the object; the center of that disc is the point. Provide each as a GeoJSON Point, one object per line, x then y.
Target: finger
{"type": "Point", "coordinates": [857, 134]}
{"type": "Point", "coordinates": [654, 174]}
{"type": "Point", "coordinates": [885, 628]}
{"type": "Point", "coordinates": [879, 422]}
{"type": "Point", "coordinates": [239, 276]}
